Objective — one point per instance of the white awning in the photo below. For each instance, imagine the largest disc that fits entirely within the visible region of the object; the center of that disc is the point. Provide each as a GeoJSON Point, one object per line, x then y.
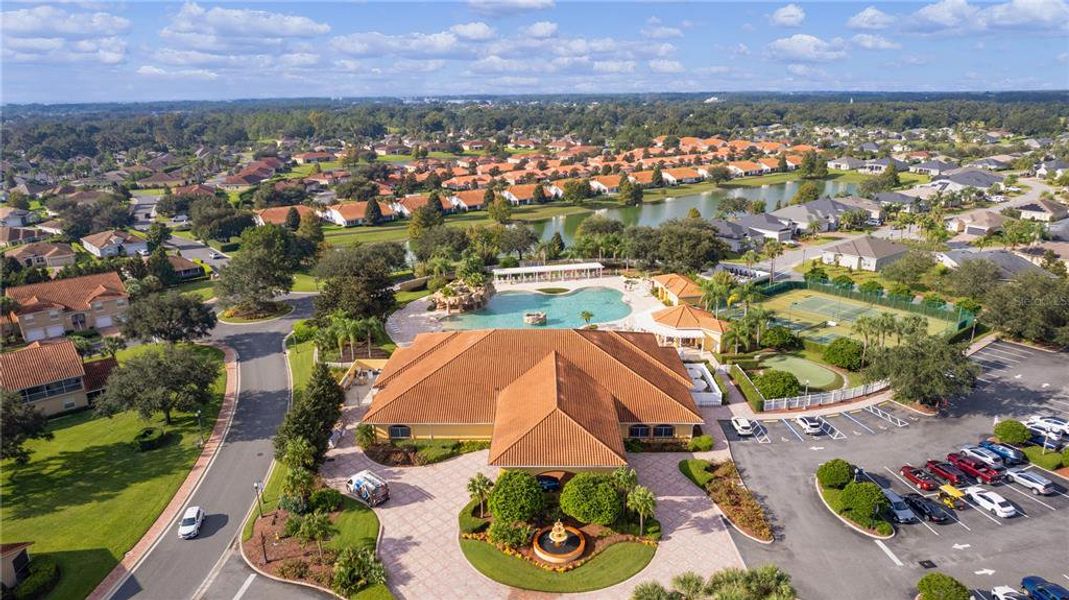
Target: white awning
{"type": "Point", "coordinates": [538, 269]}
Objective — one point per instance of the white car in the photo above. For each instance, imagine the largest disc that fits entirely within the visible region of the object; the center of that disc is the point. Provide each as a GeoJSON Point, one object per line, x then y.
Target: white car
{"type": "Point", "coordinates": [983, 455]}
{"type": "Point", "coordinates": [1005, 592]}
{"type": "Point", "coordinates": [990, 501]}
{"type": "Point", "coordinates": [742, 426]}
{"type": "Point", "coordinates": [810, 425]}
{"type": "Point", "coordinates": [1037, 484]}
{"type": "Point", "coordinates": [1051, 424]}
{"type": "Point", "coordinates": [215, 256]}
{"type": "Point", "coordinates": [189, 526]}
{"type": "Point", "coordinates": [142, 252]}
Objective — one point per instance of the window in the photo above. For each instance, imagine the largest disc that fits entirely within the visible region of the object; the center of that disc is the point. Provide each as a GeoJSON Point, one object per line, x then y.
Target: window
{"type": "Point", "coordinates": [98, 306]}
{"type": "Point", "coordinates": [68, 404]}
{"type": "Point", "coordinates": [53, 314]}
{"type": "Point", "coordinates": [400, 432]}
{"type": "Point", "coordinates": [120, 302]}
{"type": "Point", "coordinates": [664, 431]}
{"type": "Point", "coordinates": [56, 388]}
{"type": "Point", "coordinates": [639, 431]}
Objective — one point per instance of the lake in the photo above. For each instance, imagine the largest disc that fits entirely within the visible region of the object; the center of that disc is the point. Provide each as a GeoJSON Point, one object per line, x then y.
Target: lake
{"type": "Point", "coordinates": [654, 214]}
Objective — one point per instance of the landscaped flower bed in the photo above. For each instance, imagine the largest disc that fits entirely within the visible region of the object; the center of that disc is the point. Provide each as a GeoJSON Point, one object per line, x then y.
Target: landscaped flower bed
{"type": "Point", "coordinates": [408, 453]}
{"type": "Point", "coordinates": [725, 487]}
{"type": "Point", "coordinates": [861, 503]}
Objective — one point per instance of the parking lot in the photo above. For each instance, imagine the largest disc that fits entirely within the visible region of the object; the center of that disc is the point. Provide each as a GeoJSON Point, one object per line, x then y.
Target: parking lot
{"type": "Point", "coordinates": [977, 547]}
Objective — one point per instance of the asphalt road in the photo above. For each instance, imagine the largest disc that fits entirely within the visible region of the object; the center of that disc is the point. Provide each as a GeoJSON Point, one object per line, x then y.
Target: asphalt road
{"type": "Point", "coordinates": [980, 550]}
{"type": "Point", "coordinates": [192, 249]}
{"type": "Point", "coordinates": [176, 568]}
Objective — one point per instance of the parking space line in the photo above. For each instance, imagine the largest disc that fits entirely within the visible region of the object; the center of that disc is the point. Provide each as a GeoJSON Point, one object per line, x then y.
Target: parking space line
{"type": "Point", "coordinates": [863, 426]}
{"type": "Point", "coordinates": [979, 595]}
{"type": "Point", "coordinates": [831, 430]}
{"type": "Point", "coordinates": [1012, 357]}
{"type": "Point", "coordinates": [984, 513]}
{"type": "Point", "coordinates": [1011, 350]}
{"type": "Point", "coordinates": [925, 523]}
{"type": "Point", "coordinates": [796, 434]}
{"type": "Point", "coordinates": [889, 554]}
{"type": "Point", "coordinates": [1030, 497]}
{"type": "Point", "coordinates": [761, 434]}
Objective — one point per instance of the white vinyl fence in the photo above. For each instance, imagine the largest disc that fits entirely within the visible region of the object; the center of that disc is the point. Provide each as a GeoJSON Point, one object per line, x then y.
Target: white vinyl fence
{"type": "Point", "coordinates": [823, 398]}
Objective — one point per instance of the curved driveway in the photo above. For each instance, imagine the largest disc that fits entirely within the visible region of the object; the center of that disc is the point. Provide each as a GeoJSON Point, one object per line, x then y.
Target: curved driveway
{"type": "Point", "coordinates": [175, 568]}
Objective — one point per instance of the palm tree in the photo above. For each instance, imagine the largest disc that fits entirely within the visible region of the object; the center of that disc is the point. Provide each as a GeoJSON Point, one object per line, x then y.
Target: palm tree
{"type": "Point", "coordinates": [762, 583]}
{"type": "Point", "coordinates": [741, 332]}
{"type": "Point", "coordinates": [625, 479]}
{"type": "Point", "coordinates": [642, 502]}
{"type": "Point", "coordinates": [353, 329]}
{"type": "Point", "coordinates": [761, 317]}
{"type": "Point", "coordinates": [651, 590]}
{"type": "Point", "coordinates": [865, 326]}
{"type": "Point", "coordinates": [324, 339]}
{"type": "Point", "coordinates": [112, 345]}
{"type": "Point", "coordinates": [479, 488]}
{"type": "Point", "coordinates": [885, 324]}
{"type": "Point", "coordinates": [586, 315]}
{"type": "Point", "coordinates": [909, 326]}
{"type": "Point", "coordinates": [716, 288]}
{"type": "Point", "coordinates": [371, 328]}
{"type": "Point", "coordinates": [317, 528]}
{"type": "Point", "coordinates": [439, 266]}
{"type": "Point", "coordinates": [745, 293]}
{"type": "Point", "coordinates": [750, 258]}
{"type": "Point", "coordinates": [689, 586]}
{"type": "Point", "coordinates": [773, 249]}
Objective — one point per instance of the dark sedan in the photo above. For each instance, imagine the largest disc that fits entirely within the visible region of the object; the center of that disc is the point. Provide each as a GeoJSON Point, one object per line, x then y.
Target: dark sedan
{"type": "Point", "coordinates": [925, 508]}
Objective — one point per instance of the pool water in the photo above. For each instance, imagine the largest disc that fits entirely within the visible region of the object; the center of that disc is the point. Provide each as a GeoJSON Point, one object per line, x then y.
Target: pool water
{"type": "Point", "coordinates": [505, 310]}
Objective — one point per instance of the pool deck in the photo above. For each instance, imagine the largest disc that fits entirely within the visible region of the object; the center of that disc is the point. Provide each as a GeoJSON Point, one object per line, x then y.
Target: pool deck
{"type": "Point", "coordinates": [404, 325]}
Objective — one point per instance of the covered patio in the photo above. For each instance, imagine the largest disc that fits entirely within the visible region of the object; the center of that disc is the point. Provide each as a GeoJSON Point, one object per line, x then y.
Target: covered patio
{"type": "Point", "coordinates": [561, 272]}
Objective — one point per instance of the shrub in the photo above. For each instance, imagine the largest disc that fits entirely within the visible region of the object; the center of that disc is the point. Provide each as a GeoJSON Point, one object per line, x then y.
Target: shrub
{"type": "Point", "coordinates": [871, 287]}
{"type": "Point", "coordinates": [325, 500]}
{"type": "Point", "coordinates": [816, 275]}
{"type": "Point", "coordinates": [303, 331]}
{"type": "Point", "coordinates": [835, 473]}
{"type": "Point", "coordinates": [939, 586]}
{"type": "Point", "coordinates": [354, 569]}
{"type": "Point", "coordinates": [741, 507]}
{"type": "Point", "coordinates": [508, 262]}
{"type": "Point", "coordinates": [701, 443]}
{"type": "Point", "coordinates": [843, 282]}
{"type": "Point", "coordinates": [697, 471]}
{"type": "Point", "coordinates": [781, 338]}
{"type": "Point", "coordinates": [510, 535]}
{"type": "Point", "coordinates": [1012, 432]}
{"type": "Point", "coordinates": [1065, 457]}
{"type": "Point", "coordinates": [844, 353]}
{"type": "Point", "coordinates": [150, 438]}
{"type": "Point", "coordinates": [863, 500]}
{"type": "Point", "coordinates": [42, 577]}
{"type": "Point", "coordinates": [292, 526]}
{"type": "Point", "coordinates": [293, 568]}
{"type": "Point", "coordinates": [516, 497]}
{"type": "Point", "coordinates": [773, 383]}
{"type": "Point", "coordinates": [591, 498]}
{"type": "Point", "coordinates": [365, 435]}
{"type": "Point", "coordinates": [933, 300]}
{"type": "Point", "coordinates": [469, 520]}
{"type": "Point", "coordinates": [474, 446]}
{"type": "Point", "coordinates": [433, 454]}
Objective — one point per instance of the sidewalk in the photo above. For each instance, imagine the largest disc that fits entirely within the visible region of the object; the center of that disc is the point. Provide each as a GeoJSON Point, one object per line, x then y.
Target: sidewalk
{"type": "Point", "coordinates": [181, 496]}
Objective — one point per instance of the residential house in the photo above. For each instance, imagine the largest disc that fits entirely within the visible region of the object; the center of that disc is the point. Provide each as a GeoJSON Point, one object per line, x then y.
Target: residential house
{"type": "Point", "coordinates": [684, 325]}
{"type": "Point", "coordinates": [521, 194]}
{"type": "Point", "coordinates": [607, 184]}
{"type": "Point", "coordinates": [735, 235]}
{"type": "Point", "coordinates": [984, 222]}
{"type": "Point", "coordinates": [351, 214]}
{"type": "Point", "coordinates": [586, 390]}
{"type": "Point", "coordinates": [14, 563]}
{"type": "Point", "coordinates": [184, 269]}
{"type": "Point", "coordinates": [642, 178]}
{"type": "Point", "coordinates": [674, 288]}
{"type": "Point", "coordinates": [898, 200]}
{"type": "Point", "coordinates": [1036, 253]}
{"type": "Point", "coordinates": [469, 200]}
{"type": "Point", "coordinates": [14, 217]}
{"type": "Point", "coordinates": [815, 216]}
{"type": "Point", "coordinates": [114, 242]}
{"type": "Point", "coordinates": [163, 179]}
{"type": "Point", "coordinates": [869, 147]}
{"type": "Point", "coordinates": [932, 168]}
{"type": "Point", "coordinates": [327, 178]}
{"type": "Point", "coordinates": [1007, 262]}
{"type": "Point", "coordinates": [864, 254]}
{"type": "Point", "coordinates": [960, 179]}
{"type": "Point", "coordinates": [1052, 168]}
{"type": "Point", "coordinates": [1043, 210]}
{"type": "Point", "coordinates": [764, 226]}
{"type": "Point", "coordinates": [879, 165]}
{"type": "Point", "coordinates": [874, 211]}
{"type": "Point", "coordinates": [43, 254]}
{"type": "Point", "coordinates": [413, 202]}
{"type": "Point", "coordinates": [197, 189]}
{"type": "Point", "coordinates": [680, 175]}
{"type": "Point", "coordinates": [1037, 143]}
{"type": "Point", "coordinates": [52, 308]}
{"type": "Point", "coordinates": [846, 163]}
{"type": "Point", "coordinates": [991, 164]}
{"type": "Point", "coordinates": [51, 227]}
{"type": "Point", "coordinates": [475, 145]}
{"type": "Point", "coordinates": [13, 236]}
{"type": "Point", "coordinates": [51, 377]}
{"type": "Point", "coordinates": [276, 215]}
{"type": "Point", "coordinates": [307, 158]}
{"type": "Point", "coordinates": [746, 168]}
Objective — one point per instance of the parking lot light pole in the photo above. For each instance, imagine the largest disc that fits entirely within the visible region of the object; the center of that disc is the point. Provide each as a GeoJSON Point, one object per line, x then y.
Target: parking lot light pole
{"type": "Point", "coordinates": [259, 488]}
{"type": "Point", "coordinates": [806, 387]}
{"type": "Point", "coordinates": [200, 428]}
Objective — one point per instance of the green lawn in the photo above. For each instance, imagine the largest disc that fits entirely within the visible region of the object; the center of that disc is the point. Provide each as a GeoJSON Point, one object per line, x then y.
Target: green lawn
{"type": "Point", "coordinates": [87, 495]}
{"type": "Point", "coordinates": [403, 298]}
{"type": "Point", "coordinates": [303, 282]}
{"type": "Point", "coordinates": [204, 289]}
{"type": "Point", "coordinates": [616, 563]}
{"type": "Point", "coordinates": [301, 362]}
{"type": "Point", "coordinates": [760, 180]}
{"type": "Point", "coordinates": [697, 471]}
{"type": "Point", "coordinates": [149, 192]}
{"type": "Point", "coordinates": [821, 379]}
{"type": "Point", "coordinates": [1048, 459]}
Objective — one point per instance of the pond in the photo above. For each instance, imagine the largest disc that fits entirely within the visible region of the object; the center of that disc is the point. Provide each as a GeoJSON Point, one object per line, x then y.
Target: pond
{"type": "Point", "coordinates": [563, 311]}
{"type": "Point", "coordinates": [654, 214]}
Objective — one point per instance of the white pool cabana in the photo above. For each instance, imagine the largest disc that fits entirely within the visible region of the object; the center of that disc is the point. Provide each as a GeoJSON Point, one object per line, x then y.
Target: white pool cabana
{"type": "Point", "coordinates": [559, 272]}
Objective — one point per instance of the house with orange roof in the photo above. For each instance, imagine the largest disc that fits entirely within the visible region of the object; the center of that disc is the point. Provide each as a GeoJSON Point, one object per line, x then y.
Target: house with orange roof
{"type": "Point", "coordinates": [691, 143]}
{"type": "Point", "coordinates": [52, 378]}
{"type": "Point", "coordinates": [466, 182]}
{"type": "Point", "coordinates": [746, 168]}
{"type": "Point", "coordinates": [469, 200]}
{"type": "Point", "coordinates": [413, 202]}
{"type": "Point", "coordinates": [307, 158]}
{"type": "Point", "coordinates": [351, 214]}
{"type": "Point", "coordinates": [740, 145]}
{"type": "Point", "coordinates": [607, 184]}
{"type": "Point", "coordinates": [521, 194]}
{"type": "Point", "coordinates": [642, 178]}
{"type": "Point", "coordinates": [546, 399]}
{"type": "Point", "coordinates": [494, 168]}
{"type": "Point", "coordinates": [803, 148]}
{"type": "Point", "coordinates": [675, 289]}
{"type": "Point", "coordinates": [679, 175]}
{"type": "Point", "coordinates": [276, 215]}
{"type": "Point", "coordinates": [43, 254]}
{"type": "Point", "coordinates": [52, 308]}
{"type": "Point", "coordinates": [772, 164]}
{"type": "Point", "coordinates": [770, 147]}
{"type": "Point", "coordinates": [684, 325]}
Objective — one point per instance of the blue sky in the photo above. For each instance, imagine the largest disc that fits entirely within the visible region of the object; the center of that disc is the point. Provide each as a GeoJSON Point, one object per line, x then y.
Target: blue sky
{"type": "Point", "coordinates": [133, 51]}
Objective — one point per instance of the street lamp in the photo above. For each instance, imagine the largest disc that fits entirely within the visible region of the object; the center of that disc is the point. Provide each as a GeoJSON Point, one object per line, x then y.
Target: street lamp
{"type": "Point", "coordinates": [200, 428]}
{"type": "Point", "coordinates": [806, 387]}
{"type": "Point", "coordinates": [258, 486]}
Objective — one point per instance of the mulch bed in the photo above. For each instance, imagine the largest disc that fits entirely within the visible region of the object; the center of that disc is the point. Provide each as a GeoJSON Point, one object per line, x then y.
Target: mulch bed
{"type": "Point", "coordinates": [281, 551]}
{"type": "Point", "coordinates": [350, 355]}
{"type": "Point", "coordinates": [389, 455]}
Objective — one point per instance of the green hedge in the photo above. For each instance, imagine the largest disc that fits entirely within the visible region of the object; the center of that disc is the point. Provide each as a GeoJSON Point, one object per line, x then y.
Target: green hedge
{"type": "Point", "coordinates": [469, 518]}
{"type": "Point", "coordinates": [42, 577]}
{"type": "Point", "coordinates": [753, 397]}
{"type": "Point", "coordinates": [1051, 460]}
{"type": "Point", "coordinates": [150, 438]}
{"type": "Point", "coordinates": [697, 471]}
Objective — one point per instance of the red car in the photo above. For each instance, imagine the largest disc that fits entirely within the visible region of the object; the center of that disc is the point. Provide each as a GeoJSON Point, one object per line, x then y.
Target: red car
{"type": "Point", "coordinates": [947, 472]}
{"type": "Point", "coordinates": [974, 468]}
{"type": "Point", "coordinates": [919, 477]}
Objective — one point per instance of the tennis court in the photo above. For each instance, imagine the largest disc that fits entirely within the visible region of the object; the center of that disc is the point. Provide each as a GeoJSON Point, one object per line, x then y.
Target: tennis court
{"type": "Point", "coordinates": [825, 317]}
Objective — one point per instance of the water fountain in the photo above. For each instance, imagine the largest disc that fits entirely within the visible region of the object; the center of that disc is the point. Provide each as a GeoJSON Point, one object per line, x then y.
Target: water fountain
{"type": "Point", "coordinates": [559, 544]}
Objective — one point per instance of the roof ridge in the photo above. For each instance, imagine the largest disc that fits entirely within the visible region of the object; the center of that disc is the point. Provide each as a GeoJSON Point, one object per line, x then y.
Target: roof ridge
{"type": "Point", "coordinates": [558, 408]}
{"type": "Point", "coordinates": [662, 366]}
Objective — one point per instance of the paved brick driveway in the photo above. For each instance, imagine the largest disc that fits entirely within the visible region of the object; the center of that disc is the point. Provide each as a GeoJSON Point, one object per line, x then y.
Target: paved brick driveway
{"type": "Point", "coordinates": [419, 541]}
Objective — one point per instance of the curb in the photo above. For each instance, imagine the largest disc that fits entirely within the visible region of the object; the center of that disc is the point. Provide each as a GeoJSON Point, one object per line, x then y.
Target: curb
{"type": "Point", "coordinates": [724, 516]}
{"type": "Point", "coordinates": [241, 549]}
{"type": "Point", "coordinates": [816, 485]}
{"type": "Point", "coordinates": [133, 557]}
{"type": "Point", "coordinates": [259, 321]}
{"type": "Point", "coordinates": [915, 410]}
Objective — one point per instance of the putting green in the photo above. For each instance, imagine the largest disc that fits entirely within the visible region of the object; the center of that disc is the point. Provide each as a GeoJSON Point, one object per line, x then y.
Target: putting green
{"type": "Point", "coordinates": [820, 378]}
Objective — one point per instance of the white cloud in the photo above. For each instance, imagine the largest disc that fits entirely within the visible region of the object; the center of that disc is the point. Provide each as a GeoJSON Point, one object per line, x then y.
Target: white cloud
{"type": "Point", "coordinates": [957, 17]}
{"type": "Point", "coordinates": [874, 42]}
{"type": "Point", "coordinates": [541, 30]}
{"type": "Point", "coordinates": [157, 72]}
{"type": "Point", "coordinates": [240, 22]}
{"type": "Point", "coordinates": [806, 71]}
{"type": "Point", "coordinates": [665, 66]}
{"type": "Point", "coordinates": [477, 31]}
{"type": "Point", "coordinates": [802, 47]}
{"type": "Point", "coordinates": [50, 21]}
{"type": "Point", "coordinates": [107, 50]}
{"type": "Point", "coordinates": [496, 64]}
{"type": "Point", "coordinates": [373, 43]}
{"type": "Point", "coordinates": [614, 66]}
{"type": "Point", "coordinates": [913, 59]}
{"type": "Point", "coordinates": [1040, 14]}
{"type": "Point", "coordinates": [418, 66]}
{"type": "Point", "coordinates": [660, 32]}
{"type": "Point", "coordinates": [791, 15]}
{"type": "Point", "coordinates": [504, 7]}
{"type": "Point", "coordinates": [870, 18]}
{"type": "Point", "coordinates": [945, 14]}
{"type": "Point", "coordinates": [741, 50]}
{"type": "Point", "coordinates": [713, 70]}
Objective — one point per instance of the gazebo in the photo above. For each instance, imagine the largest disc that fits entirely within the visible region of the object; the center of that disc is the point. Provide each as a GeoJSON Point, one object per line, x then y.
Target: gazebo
{"type": "Point", "coordinates": [684, 325]}
{"type": "Point", "coordinates": [559, 272]}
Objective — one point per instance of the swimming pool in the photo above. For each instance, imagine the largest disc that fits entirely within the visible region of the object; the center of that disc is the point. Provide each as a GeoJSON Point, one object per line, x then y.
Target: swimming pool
{"type": "Point", "coordinates": [563, 311]}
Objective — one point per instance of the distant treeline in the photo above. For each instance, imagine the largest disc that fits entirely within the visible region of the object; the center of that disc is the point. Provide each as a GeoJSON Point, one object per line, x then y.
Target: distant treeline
{"type": "Point", "coordinates": [65, 131]}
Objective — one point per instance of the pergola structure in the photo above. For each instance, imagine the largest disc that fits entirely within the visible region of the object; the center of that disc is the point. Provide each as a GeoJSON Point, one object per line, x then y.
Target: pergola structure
{"type": "Point", "coordinates": [559, 272]}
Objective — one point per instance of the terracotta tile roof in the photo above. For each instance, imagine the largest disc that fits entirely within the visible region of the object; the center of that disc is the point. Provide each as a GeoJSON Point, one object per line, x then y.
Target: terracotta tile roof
{"type": "Point", "coordinates": [104, 239]}
{"type": "Point", "coordinates": [277, 214]}
{"type": "Point", "coordinates": [680, 286]}
{"type": "Point", "coordinates": [352, 211]}
{"type": "Point", "coordinates": [685, 316]}
{"type": "Point", "coordinates": [45, 249]}
{"type": "Point", "coordinates": [457, 377]}
{"type": "Point", "coordinates": [97, 372]}
{"type": "Point", "coordinates": [683, 173]}
{"type": "Point", "coordinates": [556, 414]}
{"type": "Point", "coordinates": [198, 189]}
{"type": "Point", "coordinates": [524, 191]}
{"type": "Point", "coordinates": [75, 293]}
{"type": "Point", "coordinates": [609, 181]}
{"type": "Point", "coordinates": [746, 165]}
{"type": "Point", "coordinates": [471, 198]}
{"type": "Point", "coordinates": [38, 364]}
{"type": "Point", "coordinates": [642, 176]}
{"type": "Point", "coordinates": [18, 234]}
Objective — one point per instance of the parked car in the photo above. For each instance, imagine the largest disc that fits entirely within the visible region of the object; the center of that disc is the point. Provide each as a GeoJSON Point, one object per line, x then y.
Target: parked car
{"type": "Point", "coordinates": [1037, 484]}
{"type": "Point", "coordinates": [919, 477]}
{"type": "Point", "coordinates": [142, 252]}
{"type": "Point", "coordinates": [548, 483]}
{"type": "Point", "coordinates": [1005, 592]}
{"type": "Point", "coordinates": [947, 472]}
{"type": "Point", "coordinates": [1047, 439]}
{"type": "Point", "coordinates": [925, 508]}
{"type": "Point", "coordinates": [189, 526]}
{"type": "Point", "coordinates": [368, 487]}
{"type": "Point", "coordinates": [900, 512]}
{"type": "Point", "coordinates": [1053, 424]}
{"type": "Point", "coordinates": [742, 426]}
{"type": "Point", "coordinates": [974, 468]}
{"type": "Point", "coordinates": [990, 501]}
{"type": "Point", "coordinates": [810, 425]}
{"type": "Point", "coordinates": [1010, 455]}
{"type": "Point", "coordinates": [984, 455]}
{"type": "Point", "coordinates": [215, 256]}
{"type": "Point", "coordinates": [1041, 589]}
